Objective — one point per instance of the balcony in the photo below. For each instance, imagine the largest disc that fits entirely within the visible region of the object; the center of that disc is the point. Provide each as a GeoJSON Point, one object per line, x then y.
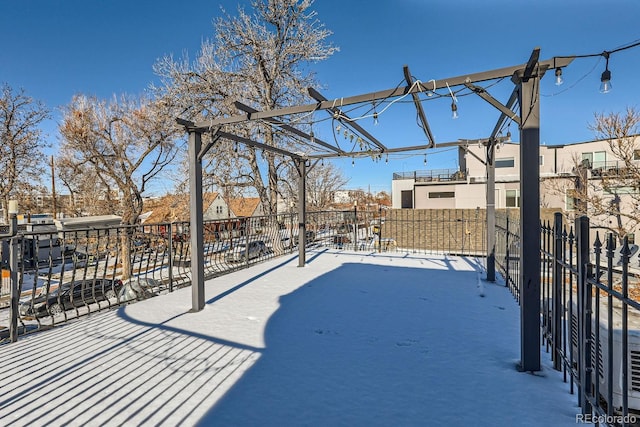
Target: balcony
{"type": "Point", "coordinates": [432, 175]}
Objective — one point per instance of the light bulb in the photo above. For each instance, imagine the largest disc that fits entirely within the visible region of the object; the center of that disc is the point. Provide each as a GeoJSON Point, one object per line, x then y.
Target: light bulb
{"type": "Point", "coordinates": [605, 82]}
{"type": "Point", "coordinates": [387, 159]}
{"type": "Point", "coordinates": [375, 118]}
{"type": "Point", "coordinates": [454, 110]}
{"type": "Point", "coordinates": [425, 160]}
{"type": "Point", "coordinates": [353, 163]}
{"type": "Point", "coordinates": [605, 79]}
{"type": "Point", "coordinates": [508, 136]}
{"type": "Point", "coordinates": [559, 80]}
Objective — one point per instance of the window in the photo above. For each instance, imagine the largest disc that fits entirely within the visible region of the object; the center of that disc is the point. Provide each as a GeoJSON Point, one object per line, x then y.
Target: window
{"type": "Point", "coordinates": [442, 195]}
{"type": "Point", "coordinates": [407, 199]}
{"type": "Point", "coordinates": [569, 202]}
{"type": "Point", "coordinates": [636, 154]}
{"type": "Point", "coordinates": [513, 199]}
{"type": "Point", "coordinates": [507, 162]}
{"type": "Point", "coordinates": [541, 160]}
{"type": "Point", "coordinates": [597, 159]}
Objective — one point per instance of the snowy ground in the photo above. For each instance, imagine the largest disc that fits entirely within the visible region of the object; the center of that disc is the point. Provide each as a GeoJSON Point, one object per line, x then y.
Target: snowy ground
{"type": "Point", "coordinates": [352, 339]}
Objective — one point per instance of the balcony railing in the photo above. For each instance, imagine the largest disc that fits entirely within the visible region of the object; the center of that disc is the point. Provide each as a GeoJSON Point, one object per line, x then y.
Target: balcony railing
{"type": "Point", "coordinates": [432, 175]}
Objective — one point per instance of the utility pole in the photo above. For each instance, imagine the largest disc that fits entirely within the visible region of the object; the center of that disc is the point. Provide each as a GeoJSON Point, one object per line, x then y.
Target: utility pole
{"type": "Point", "coordinates": [53, 189]}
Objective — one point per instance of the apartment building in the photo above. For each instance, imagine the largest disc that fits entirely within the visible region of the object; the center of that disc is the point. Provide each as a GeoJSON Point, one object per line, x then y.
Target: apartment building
{"type": "Point", "coordinates": [465, 188]}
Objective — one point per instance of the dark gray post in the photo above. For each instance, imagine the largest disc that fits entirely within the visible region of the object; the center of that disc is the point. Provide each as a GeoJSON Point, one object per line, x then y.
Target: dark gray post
{"type": "Point", "coordinates": [584, 311]}
{"type": "Point", "coordinates": [170, 253]}
{"type": "Point", "coordinates": [302, 213]}
{"type": "Point", "coordinates": [13, 276]}
{"type": "Point", "coordinates": [529, 101]}
{"type": "Point", "coordinates": [197, 227]}
{"type": "Point", "coordinates": [491, 212]}
{"type": "Point", "coordinates": [556, 304]}
{"type": "Point", "coordinates": [355, 225]}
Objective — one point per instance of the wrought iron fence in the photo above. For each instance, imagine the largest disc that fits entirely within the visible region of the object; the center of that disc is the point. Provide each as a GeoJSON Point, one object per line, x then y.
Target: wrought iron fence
{"type": "Point", "coordinates": [590, 315]}
{"type": "Point", "coordinates": [62, 275]}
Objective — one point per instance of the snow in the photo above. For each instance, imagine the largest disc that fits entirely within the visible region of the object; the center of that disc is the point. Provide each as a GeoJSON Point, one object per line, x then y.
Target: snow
{"type": "Point", "coordinates": [351, 339]}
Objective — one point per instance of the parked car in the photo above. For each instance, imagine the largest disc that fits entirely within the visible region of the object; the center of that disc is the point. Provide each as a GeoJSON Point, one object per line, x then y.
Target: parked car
{"type": "Point", "coordinates": [240, 251]}
{"type": "Point", "coordinates": [139, 288]}
{"type": "Point", "coordinates": [70, 295]}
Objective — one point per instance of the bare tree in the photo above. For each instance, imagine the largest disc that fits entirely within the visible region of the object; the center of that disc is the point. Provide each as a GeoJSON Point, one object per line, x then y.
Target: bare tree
{"type": "Point", "coordinates": [88, 191]}
{"type": "Point", "coordinates": [126, 142]}
{"type": "Point", "coordinates": [323, 180]}
{"type": "Point", "coordinates": [609, 193]}
{"type": "Point", "coordinates": [258, 59]}
{"type": "Point", "coordinates": [22, 161]}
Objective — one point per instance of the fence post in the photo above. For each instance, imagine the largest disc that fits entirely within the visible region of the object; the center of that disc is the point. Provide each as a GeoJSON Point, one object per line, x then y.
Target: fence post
{"type": "Point", "coordinates": [557, 307]}
{"type": "Point", "coordinates": [170, 253]}
{"type": "Point", "coordinates": [584, 312]}
{"type": "Point", "coordinates": [355, 225]}
{"type": "Point", "coordinates": [13, 277]}
{"type": "Point", "coordinates": [506, 252]}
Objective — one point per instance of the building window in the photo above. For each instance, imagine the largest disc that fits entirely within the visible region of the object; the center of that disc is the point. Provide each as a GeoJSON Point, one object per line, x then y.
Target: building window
{"type": "Point", "coordinates": [636, 154]}
{"type": "Point", "coordinates": [541, 160]}
{"type": "Point", "coordinates": [407, 199]}
{"type": "Point", "coordinates": [569, 202]}
{"type": "Point", "coordinates": [442, 195]}
{"type": "Point", "coordinates": [513, 199]}
{"type": "Point", "coordinates": [597, 159]}
{"type": "Point", "coordinates": [507, 162]}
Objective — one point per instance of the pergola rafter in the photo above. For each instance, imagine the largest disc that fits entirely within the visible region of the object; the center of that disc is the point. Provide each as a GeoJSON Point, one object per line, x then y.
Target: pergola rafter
{"type": "Point", "coordinates": [526, 78]}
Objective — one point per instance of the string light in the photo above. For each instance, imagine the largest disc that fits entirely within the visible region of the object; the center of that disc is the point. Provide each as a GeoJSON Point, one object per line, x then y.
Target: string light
{"type": "Point", "coordinates": [559, 80]}
{"type": "Point", "coordinates": [375, 118]}
{"type": "Point", "coordinates": [454, 104]}
{"type": "Point", "coordinates": [425, 159]}
{"type": "Point", "coordinates": [235, 147]}
{"type": "Point", "coordinates": [605, 79]}
{"type": "Point", "coordinates": [387, 159]}
{"type": "Point", "coordinates": [353, 162]}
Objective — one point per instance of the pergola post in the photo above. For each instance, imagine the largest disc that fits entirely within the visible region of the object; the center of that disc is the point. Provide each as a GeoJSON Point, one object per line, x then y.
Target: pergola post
{"type": "Point", "coordinates": [491, 211]}
{"type": "Point", "coordinates": [302, 212]}
{"type": "Point", "coordinates": [197, 224]}
{"type": "Point", "coordinates": [529, 101]}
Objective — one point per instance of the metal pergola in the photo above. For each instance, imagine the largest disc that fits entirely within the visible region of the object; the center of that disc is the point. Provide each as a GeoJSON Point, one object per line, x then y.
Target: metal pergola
{"type": "Point", "coordinates": [526, 79]}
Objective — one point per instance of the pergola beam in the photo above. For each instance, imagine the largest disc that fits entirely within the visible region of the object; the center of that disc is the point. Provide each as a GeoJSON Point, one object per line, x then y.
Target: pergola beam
{"type": "Point", "coordinates": [385, 94]}
{"type": "Point", "coordinates": [419, 109]}
{"type": "Point", "coordinates": [367, 153]}
{"type": "Point", "coordinates": [482, 93]}
{"type": "Point", "coordinates": [260, 145]}
{"type": "Point", "coordinates": [333, 110]}
{"type": "Point", "coordinates": [284, 126]}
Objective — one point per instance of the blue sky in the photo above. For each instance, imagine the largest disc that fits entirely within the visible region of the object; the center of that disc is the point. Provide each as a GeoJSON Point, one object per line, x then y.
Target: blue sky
{"type": "Point", "coordinates": [57, 48]}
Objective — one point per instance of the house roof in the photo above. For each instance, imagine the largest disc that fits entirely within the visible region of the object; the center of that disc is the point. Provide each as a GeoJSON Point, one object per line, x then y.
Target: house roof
{"type": "Point", "coordinates": [173, 207]}
{"type": "Point", "coordinates": [244, 206]}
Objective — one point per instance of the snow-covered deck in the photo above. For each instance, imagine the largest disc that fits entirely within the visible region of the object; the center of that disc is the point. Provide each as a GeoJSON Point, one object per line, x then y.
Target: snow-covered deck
{"type": "Point", "coordinates": [352, 339]}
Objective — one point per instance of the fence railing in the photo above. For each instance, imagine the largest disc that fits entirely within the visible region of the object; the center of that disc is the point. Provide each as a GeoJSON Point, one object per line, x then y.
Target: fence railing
{"type": "Point", "coordinates": [590, 316]}
{"type": "Point", "coordinates": [66, 274]}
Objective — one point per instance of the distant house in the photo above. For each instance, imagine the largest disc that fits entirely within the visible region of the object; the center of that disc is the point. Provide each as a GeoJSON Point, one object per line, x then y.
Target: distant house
{"type": "Point", "coordinates": [246, 207]}
{"type": "Point", "coordinates": [175, 208]}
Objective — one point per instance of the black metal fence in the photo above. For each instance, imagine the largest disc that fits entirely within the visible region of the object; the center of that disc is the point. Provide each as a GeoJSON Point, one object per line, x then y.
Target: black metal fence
{"type": "Point", "coordinates": [61, 275]}
{"type": "Point", "coordinates": [590, 313]}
